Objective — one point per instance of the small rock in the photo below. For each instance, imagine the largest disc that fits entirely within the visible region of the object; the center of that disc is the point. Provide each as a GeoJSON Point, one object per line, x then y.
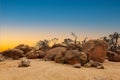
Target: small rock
{"type": "Point", "coordinates": [24, 63]}
{"type": "Point", "coordinates": [87, 65]}
{"type": "Point", "coordinates": [77, 65]}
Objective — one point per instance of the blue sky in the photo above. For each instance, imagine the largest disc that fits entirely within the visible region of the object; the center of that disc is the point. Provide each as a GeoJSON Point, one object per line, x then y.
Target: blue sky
{"type": "Point", "coordinates": [55, 17]}
{"type": "Point", "coordinates": [62, 11]}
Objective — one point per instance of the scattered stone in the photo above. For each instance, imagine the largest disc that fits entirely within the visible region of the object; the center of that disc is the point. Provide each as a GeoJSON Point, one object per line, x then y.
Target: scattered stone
{"type": "Point", "coordinates": [24, 63]}
{"type": "Point", "coordinates": [100, 67]}
{"type": "Point", "coordinates": [77, 65]}
{"type": "Point", "coordinates": [92, 63]}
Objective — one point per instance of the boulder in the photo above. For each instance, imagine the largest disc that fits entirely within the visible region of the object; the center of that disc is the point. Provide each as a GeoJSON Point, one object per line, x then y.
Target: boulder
{"type": "Point", "coordinates": [23, 47]}
{"type": "Point", "coordinates": [59, 58]}
{"type": "Point", "coordinates": [13, 53]}
{"type": "Point", "coordinates": [72, 56]}
{"type": "Point", "coordinates": [113, 56]}
{"type": "Point", "coordinates": [51, 54]}
{"type": "Point", "coordinates": [41, 54]}
{"type": "Point", "coordinates": [96, 50]}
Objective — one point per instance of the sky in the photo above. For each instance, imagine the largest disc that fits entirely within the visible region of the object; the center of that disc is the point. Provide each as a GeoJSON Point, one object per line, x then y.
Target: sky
{"type": "Point", "coordinates": [28, 21]}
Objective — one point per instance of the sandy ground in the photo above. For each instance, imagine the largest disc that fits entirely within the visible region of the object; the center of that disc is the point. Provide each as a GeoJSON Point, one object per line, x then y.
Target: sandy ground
{"type": "Point", "coordinates": [48, 70]}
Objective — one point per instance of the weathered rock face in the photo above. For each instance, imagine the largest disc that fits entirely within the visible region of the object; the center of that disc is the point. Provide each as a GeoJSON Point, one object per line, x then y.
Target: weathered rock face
{"type": "Point", "coordinates": [75, 57]}
{"type": "Point", "coordinates": [59, 58]}
{"type": "Point", "coordinates": [50, 54]}
{"type": "Point", "coordinates": [96, 50]}
{"type": "Point", "coordinates": [113, 56]}
{"type": "Point", "coordinates": [13, 53]}
{"type": "Point", "coordinates": [83, 58]}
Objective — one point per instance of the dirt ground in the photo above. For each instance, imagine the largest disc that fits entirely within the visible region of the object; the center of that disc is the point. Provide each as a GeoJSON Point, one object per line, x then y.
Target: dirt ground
{"type": "Point", "coordinates": [49, 70]}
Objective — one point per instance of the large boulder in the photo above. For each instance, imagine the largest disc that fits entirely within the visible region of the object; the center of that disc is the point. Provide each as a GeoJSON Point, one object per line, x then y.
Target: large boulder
{"type": "Point", "coordinates": [113, 56]}
{"type": "Point", "coordinates": [95, 50]}
{"type": "Point", "coordinates": [13, 53]}
{"type": "Point", "coordinates": [52, 53]}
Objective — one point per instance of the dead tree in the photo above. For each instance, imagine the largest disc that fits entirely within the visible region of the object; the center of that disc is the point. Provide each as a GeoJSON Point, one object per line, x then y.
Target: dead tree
{"type": "Point", "coordinates": [75, 40]}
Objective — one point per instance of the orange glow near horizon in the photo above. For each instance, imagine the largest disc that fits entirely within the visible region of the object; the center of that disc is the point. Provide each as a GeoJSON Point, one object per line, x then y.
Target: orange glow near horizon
{"type": "Point", "coordinates": [11, 37]}
{"type": "Point", "coordinates": [11, 43]}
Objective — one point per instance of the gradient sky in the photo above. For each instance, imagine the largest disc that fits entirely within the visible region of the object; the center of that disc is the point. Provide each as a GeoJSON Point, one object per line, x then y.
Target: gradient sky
{"type": "Point", "coordinates": [28, 21]}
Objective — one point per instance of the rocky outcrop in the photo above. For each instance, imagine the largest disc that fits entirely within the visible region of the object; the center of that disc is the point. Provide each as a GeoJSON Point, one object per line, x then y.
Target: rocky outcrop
{"type": "Point", "coordinates": [64, 55]}
{"type": "Point", "coordinates": [13, 53]}
{"type": "Point", "coordinates": [96, 50]}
